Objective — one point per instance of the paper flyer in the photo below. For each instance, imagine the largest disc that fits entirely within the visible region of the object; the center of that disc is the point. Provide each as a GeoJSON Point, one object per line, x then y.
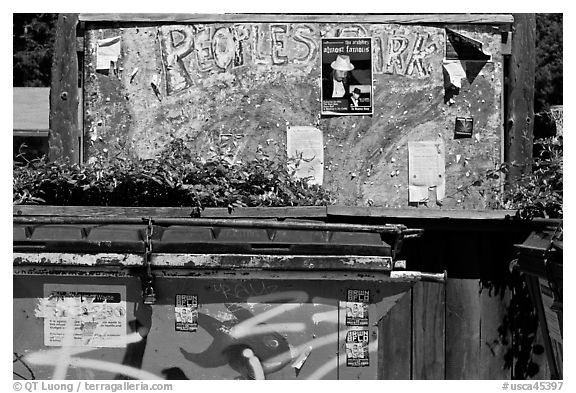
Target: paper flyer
{"type": "Point", "coordinates": [186, 313]}
{"type": "Point", "coordinates": [426, 170]}
{"type": "Point", "coordinates": [306, 147]}
{"type": "Point", "coordinates": [347, 76]}
{"type": "Point", "coordinates": [357, 303]}
{"type": "Point", "coordinates": [108, 51]}
{"type": "Point", "coordinates": [83, 315]}
{"type": "Point", "coordinates": [357, 348]}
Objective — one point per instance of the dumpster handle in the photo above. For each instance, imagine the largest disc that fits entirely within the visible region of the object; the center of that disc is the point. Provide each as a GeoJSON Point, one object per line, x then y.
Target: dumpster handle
{"type": "Point", "coordinates": [149, 295]}
{"type": "Point", "coordinates": [420, 276]}
{"type": "Point", "coordinates": [221, 222]}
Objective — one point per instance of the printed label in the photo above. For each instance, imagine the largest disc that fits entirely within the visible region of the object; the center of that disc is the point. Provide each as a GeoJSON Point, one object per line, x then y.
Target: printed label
{"type": "Point", "coordinates": [186, 313]}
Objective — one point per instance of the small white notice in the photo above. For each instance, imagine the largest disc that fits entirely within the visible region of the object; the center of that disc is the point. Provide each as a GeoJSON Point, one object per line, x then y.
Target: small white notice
{"type": "Point", "coordinates": [305, 146]}
{"type": "Point", "coordinates": [107, 52]}
{"type": "Point", "coordinates": [426, 170]}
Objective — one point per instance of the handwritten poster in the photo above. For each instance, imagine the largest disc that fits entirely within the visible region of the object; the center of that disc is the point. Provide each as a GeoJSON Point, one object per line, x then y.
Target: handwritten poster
{"type": "Point", "coordinates": [306, 150]}
{"type": "Point", "coordinates": [426, 170]}
{"type": "Point", "coordinates": [83, 315]}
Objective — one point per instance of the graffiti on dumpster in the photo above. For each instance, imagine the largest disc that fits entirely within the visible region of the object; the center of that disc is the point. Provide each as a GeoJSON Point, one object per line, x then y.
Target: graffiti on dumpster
{"type": "Point", "coordinates": [243, 330]}
{"type": "Point", "coordinates": [66, 356]}
{"type": "Point", "coordinates": [20, 368]}
{"type": "Point", "coordinates": [243, 290]}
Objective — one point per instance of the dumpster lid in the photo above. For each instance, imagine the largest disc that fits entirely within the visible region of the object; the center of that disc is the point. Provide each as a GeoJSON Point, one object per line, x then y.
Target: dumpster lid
{"type": "Point", "coordinates": [196, 239]}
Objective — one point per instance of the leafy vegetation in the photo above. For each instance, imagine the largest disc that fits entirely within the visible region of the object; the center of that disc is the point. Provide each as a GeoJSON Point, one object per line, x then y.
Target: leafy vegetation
{"type": "Point", "coordinates": [175, 178]}
{"type": "Point", "coordinates": [540, 193]}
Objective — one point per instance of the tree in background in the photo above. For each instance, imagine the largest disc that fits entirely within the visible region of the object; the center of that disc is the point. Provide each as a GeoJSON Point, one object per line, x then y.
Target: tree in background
{"type": "Point", "coordinates": [548, 86]}
{"type": "Point", "coordinates": [33, 40]}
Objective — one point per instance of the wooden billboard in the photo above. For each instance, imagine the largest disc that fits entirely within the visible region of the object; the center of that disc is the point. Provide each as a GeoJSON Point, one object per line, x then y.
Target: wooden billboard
{"type": "Point", "coordinates": [238, 83]}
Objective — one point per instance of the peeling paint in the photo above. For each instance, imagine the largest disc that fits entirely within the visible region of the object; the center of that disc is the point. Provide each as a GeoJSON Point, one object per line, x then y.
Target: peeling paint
{"type": "Point", "coordinates": [71, 259]}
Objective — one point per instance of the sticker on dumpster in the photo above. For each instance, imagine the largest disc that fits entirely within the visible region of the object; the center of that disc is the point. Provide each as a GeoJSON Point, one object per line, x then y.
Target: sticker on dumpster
{"type": "Point", "coordinates": [357, 307]}
{"type": "Point", "coordinates": [83, 315]}
{"type": "Point", "coordinates": [186, 313]}
{"type": "Point", "coordinates": [357, 348]}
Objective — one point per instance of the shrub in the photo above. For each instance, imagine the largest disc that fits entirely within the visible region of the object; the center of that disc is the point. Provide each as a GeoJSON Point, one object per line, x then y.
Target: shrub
{"type": "Point", "coordinates": [175, 178]}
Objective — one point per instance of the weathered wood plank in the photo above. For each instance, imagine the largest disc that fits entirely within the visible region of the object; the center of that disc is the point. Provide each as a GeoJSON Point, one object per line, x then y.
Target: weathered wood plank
{"type": "Point", "coordinates": [394, 341]}
{"type": "Point", "coordinates": [318, 18]}
{"type": "Point", "coordinates": [64, 136]}
{"type": "Point", "coordinates": [337, 210]}
{"type": "Point", "coordinates": [545, 369]}
{"type": "Point", "coordinates": [546, 361]}
{"type": "Point", "coordinates": [493, 309]}
{"type": "Point", "coordinates": [519, 128]}
{"type": "Point", "coordinates": [169, 212]}
{"type": "Point", "coordinates": [462, 329]}
{"type": "Point", "coordinates": [428, 331]}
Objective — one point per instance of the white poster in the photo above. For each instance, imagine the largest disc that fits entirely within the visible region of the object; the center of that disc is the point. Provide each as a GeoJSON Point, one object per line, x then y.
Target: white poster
{"type": "Point", "coordinates": [306, 147]}
{"type": "Point", "coordinates": [426, 170]}
{"type": "Point", "coordinates": [83, 315]}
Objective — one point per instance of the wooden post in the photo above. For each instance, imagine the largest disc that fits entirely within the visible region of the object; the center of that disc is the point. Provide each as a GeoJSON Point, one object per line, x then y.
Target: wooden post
{"type": "Point", "coordinates": [520, 101]}
{"type": "Point", "coordinates": [64, 135]}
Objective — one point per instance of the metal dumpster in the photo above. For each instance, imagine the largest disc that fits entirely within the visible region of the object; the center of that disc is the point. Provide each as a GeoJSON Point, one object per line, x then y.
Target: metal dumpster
{"type": "Point", "coordinates": [202, 299]}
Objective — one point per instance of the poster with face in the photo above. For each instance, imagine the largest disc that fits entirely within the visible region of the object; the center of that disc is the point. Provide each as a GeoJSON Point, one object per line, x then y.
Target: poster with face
{"type": "Point", "coordinates": [357, 307]}
{"type": "Point", "coordinates": [357, 348]}
{"type": "Point", "coordinates": [347, 76]}
{"type": "Point", "coordinates": [186, 313]}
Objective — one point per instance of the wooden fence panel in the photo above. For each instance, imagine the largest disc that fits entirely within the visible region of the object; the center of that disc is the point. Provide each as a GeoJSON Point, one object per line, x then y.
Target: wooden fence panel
{"type": "Point", "coordinates": [428, 331]}
{"type": "Point", "coordinates": [493, 309]}
{"type": "Point", "coordinates": [462, 329]}
{"type": "Point", "coordinates": [394, 341]}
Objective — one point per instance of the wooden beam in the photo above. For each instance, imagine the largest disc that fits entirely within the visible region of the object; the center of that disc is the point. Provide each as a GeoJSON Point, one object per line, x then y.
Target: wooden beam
{"type": "Point", "coordinates": [169, 212]}
{"type": "Point", "coordinates": [493, 19]}
{"type": "Point", "coordinates": [419, 213]}
{"type": "Point", "coordinates": [519, 125]}
{"type": "Point", "coordinates": [64, 134]}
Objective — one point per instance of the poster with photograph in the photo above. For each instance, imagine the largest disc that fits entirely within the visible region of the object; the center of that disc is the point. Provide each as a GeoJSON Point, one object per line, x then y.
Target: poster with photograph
{"type": "Point", "coordinates": [357, 348]}
{"type": "Point", "coordinates": [357, 307]}
{"type": "Point", "coordinates": [83, 315]}
{"type": "Point", "coordinates": [347, 76]}
{"type": "Point", "coordinates": [186, 313]}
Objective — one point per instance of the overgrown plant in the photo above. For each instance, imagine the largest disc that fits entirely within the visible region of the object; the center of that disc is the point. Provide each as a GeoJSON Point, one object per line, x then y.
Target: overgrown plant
{"type": "Point", "coordinates": [175, 178]}
{"type": "Point", "coordinates": [540, 193]}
